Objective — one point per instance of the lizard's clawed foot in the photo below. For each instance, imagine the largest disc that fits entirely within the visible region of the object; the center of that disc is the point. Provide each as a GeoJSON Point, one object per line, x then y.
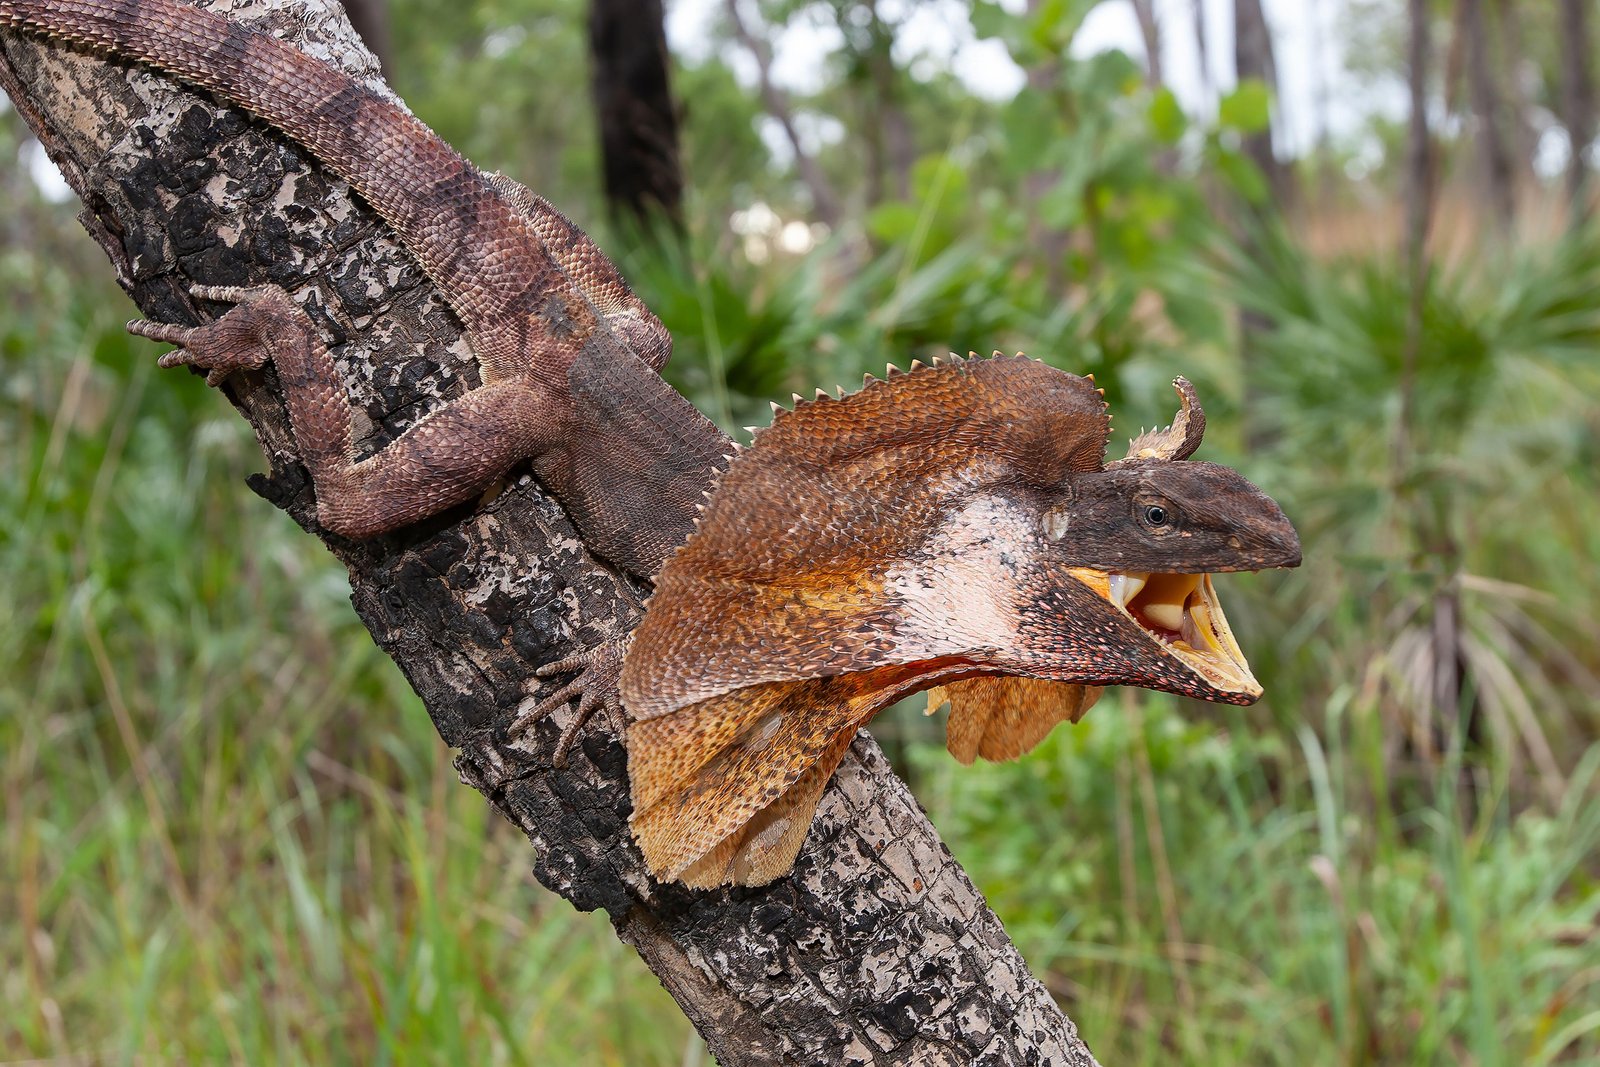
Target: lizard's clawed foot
{"type": "Point", "coordinates": [599, 670]}
{"type": "Point", "coordinates": [236, 341]}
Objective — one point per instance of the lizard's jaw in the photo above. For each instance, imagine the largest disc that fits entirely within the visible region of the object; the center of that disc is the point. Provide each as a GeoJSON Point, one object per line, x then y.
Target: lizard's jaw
{"type": "Point", "coordinates": [1181, 614]}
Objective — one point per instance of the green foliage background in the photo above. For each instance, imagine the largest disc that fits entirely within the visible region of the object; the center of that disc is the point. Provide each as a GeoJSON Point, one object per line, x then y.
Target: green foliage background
{"type": "Point", "coordinates": [230, 832]}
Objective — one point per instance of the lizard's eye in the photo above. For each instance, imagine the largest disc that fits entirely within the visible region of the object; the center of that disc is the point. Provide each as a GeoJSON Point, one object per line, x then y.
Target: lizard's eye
{"type": "Point", "coordinates": [1155, 515]}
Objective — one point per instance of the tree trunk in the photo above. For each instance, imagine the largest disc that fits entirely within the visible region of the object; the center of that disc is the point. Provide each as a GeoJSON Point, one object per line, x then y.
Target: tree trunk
{"type": "Point", "coordinates": [823, 200]}
{"type": "Point", "coordinates": [893, 149]}
{"type": "Point", "coordinates": [1051, 245]}
{"type": "Point", "coordinates": [1494, 161]}
{"type": "Point", "coordinates": [371, 20]}
{"type": "Point", "coordinates": [1419, 211]}
{"type": "Point", "coordinates": [1150, 31]}
{"type": "Point", "coordinates": [633, 101]}
{"type": "Point", "coordinates": [1519, 109]}
{"type": "Point", "coordinates": [876, 949]}
{"type": "Point", "coordinates": [1253, 58]}
{"type": "Point", "coordinates": [1577, 102]}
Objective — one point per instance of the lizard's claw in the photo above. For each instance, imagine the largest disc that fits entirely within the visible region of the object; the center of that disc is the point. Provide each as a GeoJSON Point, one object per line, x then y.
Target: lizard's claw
{"type": "Point", "coordinates": [595, 686]}
{"type": "Point", "coordinates": [236, 341]}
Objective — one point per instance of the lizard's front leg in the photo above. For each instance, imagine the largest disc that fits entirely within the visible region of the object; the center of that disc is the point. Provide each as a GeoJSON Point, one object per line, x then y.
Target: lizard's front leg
{"type": "Point", "coordinates": [447, 458]}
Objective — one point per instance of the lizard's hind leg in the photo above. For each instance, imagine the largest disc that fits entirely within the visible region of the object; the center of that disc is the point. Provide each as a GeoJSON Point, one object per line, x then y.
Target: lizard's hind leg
{"type": "Point", "coordinates": [595, 688]}
{"type": "Point", "coordinates": [447, 458]}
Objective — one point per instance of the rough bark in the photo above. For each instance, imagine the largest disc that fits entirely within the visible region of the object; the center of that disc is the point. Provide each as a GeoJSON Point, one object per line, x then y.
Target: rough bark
{"type": "Point", "coordinates": [371, 20]}
{"type": "Point", "coordinates": [1577, 102]}
{"type": "Point", "coordinates": [877, 949]}
{"type": "Point", "coordinates": [633, 102]}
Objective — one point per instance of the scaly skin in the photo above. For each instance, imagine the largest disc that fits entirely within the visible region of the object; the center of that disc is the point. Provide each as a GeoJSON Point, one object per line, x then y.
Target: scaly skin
{"type": "Point", "coordinates": [951, 527]}
{"type": "Point", "coordinates": [567, 353]}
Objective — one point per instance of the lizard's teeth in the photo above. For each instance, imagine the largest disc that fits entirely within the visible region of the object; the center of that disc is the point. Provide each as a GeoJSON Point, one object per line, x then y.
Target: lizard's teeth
{"type": "Point", "coordinates": [1124, 587]}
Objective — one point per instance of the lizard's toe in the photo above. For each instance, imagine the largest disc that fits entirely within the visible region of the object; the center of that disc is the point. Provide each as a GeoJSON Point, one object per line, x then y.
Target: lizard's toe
{"type": "Point", "coordinates": [590, 702]}
{"type": "Point", "coordinates": [165, 332]}
{"type": "Point", "coordinates": [231, 294]}
{"type": "Point", "coordinates": [595, 686]}
{"type": "Point", "coordinates": [543, 708]}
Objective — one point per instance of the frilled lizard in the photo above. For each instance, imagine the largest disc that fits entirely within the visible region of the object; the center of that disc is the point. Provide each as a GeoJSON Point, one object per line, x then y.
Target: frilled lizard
{"type": "Point", "coordinates": [955, 528]}
{"type": "Point", "coordinates": [951, 527]}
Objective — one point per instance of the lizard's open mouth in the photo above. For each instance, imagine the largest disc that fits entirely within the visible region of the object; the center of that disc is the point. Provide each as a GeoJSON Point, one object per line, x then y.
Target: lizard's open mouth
{"type": "Point", "coordinates": [1181, 612]}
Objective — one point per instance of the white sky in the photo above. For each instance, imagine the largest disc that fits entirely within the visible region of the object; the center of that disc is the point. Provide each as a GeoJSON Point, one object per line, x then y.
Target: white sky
{"type": "Point", "coordinates": [1308, 47]}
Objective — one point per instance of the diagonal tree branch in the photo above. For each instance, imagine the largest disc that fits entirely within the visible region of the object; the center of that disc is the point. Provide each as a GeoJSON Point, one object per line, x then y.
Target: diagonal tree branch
{"type": "Point", "coordinates": [877, 949]}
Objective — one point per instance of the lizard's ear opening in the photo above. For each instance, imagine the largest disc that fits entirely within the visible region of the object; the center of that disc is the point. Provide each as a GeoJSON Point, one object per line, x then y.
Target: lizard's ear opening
{"type": "Point", "coordinates": [1002, 718]}
{"type": "Point", "coordinates": [1178, 441]}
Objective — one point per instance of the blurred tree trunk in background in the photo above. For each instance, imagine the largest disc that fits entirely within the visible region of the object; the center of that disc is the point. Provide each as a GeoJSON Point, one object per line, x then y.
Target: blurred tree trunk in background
{"type": "Point", "coordinates": [1166, 160]}
{"type": "Point", "coordinates": [371, 20]}
{"type": "Point", "coordinates": [1425, 527]}
{"type": "Point", "coordinates": [1418, 208]}
{"type": "Point", "coordinates": [1512, 71]}
{"type": "Point", "coordinates": [1494, 162]}
{"type": "Point", "coordinates": [1577, 101]}
{"type": "Point", "coordinates": [1150, 30]}
{"type": "Point", "coordinates": [633, 103]}
{"type": "Point", "coordinates": [1324, 175]}
{"type": "Point", "coordinates": [1202, 51]}
{"type": "Point", "coordinates": [891, 151]}
{"type": "Point", "coordinates": [1253, 58]}
{"type": "Point", "coordinates": [824, 203]}
{"type": "Point", "coordinates": [1051, 242]}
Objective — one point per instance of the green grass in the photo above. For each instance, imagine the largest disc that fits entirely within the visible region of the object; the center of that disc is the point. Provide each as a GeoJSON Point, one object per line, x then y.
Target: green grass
{"type": "Point", "coordinates": [1195, 896]}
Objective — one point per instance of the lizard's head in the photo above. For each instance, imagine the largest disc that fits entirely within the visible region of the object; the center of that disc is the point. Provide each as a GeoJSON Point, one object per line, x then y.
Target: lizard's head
{"type": "Point", "coordinates": [1144, 535]}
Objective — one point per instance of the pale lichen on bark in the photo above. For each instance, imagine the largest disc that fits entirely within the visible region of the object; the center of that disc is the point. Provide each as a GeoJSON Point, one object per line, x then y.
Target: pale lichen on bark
{"type": "Point", "coordinates": [877, 949]}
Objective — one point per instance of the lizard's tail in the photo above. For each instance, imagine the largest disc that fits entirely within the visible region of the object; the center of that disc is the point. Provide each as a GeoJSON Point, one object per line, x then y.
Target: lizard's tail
{"type": "Point", "coordinates": [402, 168]}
